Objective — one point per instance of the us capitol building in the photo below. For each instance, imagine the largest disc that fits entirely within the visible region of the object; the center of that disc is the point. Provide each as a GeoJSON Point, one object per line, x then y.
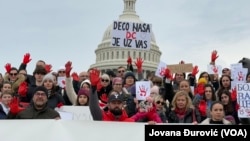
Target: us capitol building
{"type": "Point", "coordinates": [110, 58]}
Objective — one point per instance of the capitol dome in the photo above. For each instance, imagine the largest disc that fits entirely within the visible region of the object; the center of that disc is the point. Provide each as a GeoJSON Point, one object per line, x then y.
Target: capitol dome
{"type": "Point", "coordinates": [110, 58]}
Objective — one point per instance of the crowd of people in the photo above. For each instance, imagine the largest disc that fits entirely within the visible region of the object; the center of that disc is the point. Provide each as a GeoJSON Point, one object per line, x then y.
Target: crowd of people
{"type": "Point", "coordinates": [111, 95]}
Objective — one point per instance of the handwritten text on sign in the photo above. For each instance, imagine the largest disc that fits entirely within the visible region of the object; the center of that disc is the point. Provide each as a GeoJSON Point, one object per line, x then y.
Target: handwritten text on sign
{"type": "Point", "coordinates": [131, 35]}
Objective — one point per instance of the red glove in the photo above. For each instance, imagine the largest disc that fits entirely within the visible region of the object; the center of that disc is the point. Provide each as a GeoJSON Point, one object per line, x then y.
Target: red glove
{"type": "Point", "coordinates": [234, 94]}
{"type": "Point", "coordinates": [195, 71]}
{"type": "Point", "coordinates": [14, 108]}
{"type": "Point", "coordinates": [138, 63]}
{"type": "Point", "coordinates": [59, 105]}
{"type": "Point", "coordinates": [94, 76]}
{"type": "Point", "coordinates": [26, 58]}
{"type": "Point", "coordinates": [104, 98]}
{"type": "Point", "coordinates": [68, 68]}
{"type": "Point", "coordinates": [8, 67]}
{"type": "Point", "coordinates": [48, 68]}
{"type": "Point", "coordinates": [23, 88]}
{"type": "Point", "coordinates": [200, 89]}
{"type": "Point", "coordinates": [75, 76]}
{"type": "Point", "coordinates": [214, 56]}
{"type": "Point", "coordinates": [203, 107]}
{"type": "Point", "coordinates": [129, 61]}
{"type": "Point", "coordinates": [168, 74]}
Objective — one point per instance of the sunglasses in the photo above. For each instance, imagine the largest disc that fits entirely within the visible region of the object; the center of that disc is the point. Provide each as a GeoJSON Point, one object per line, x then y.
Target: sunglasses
{"type": "Point", "coordinates": [61, 71]}
{"type": "Point", "coordinates": [13, 74]}
{"type": "Point", "coordinates": [121, 71]}
{"type": "Point", "coordinates": [105, 80]}
{"type": "Point", "coordinates": [159, 102]}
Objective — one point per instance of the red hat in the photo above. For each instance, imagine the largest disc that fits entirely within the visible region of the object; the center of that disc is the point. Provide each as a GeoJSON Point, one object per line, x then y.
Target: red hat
{"type": "Point", "coordinates": [83, 91]}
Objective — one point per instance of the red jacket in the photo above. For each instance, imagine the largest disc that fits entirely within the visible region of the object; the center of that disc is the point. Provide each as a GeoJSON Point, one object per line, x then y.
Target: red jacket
{"type": "Point", "coordinates": [108, 116]}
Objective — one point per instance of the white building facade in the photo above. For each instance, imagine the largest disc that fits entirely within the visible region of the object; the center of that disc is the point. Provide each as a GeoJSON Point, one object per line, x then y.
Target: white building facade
{"type": "Point", "coordinates": [110, 58]}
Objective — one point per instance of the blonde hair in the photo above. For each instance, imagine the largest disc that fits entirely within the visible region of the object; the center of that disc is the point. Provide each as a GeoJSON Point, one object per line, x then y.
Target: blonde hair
{"type": "Point", "coordinates": [105, 76]}
{"type": "Point", "coordinates": [188, 99]}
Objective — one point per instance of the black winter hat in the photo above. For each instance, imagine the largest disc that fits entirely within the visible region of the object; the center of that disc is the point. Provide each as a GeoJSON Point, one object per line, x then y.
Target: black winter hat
{"type": "Point", "coordinates": [110, 73]}
{"type": "Point", "coordinates": [129, 73]}
{"type": "Point", "coordinates": [41, 88]}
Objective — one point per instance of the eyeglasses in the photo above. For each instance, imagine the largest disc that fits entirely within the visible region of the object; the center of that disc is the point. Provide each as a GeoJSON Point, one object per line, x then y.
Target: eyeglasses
{"type": "Point", "coordinates": [118, 84]}
{"type": "Point", "coordinates": [121, 71]}
{"type": "Point", "coordinates": [61, 71]}
{"type": "Point", "coordinates": [159, 102]}
{"type": "Point", "coordinates": [105, 80]}
{"type": "Point", "coordinates": [40, 94]}
{"type": "Point", "coordinates": [13, 74]}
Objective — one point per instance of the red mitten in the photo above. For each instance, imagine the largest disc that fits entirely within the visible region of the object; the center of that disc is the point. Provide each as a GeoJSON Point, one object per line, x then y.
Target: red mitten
{"type": "Point", "coordinates": [59, 105]}
{"type": "Point", "coordinates": [203, 107]}
{"type": "Point", "coordinates": [68, 68]}
{"type": "Point", "coordinates": [200, 89]}
{"type": "Point", "coordinates": [104, 98]}
{"type": "Point", "coordinates": [14, 108]}
{"type": "Point", "coordinates": [23, 88]}
{"type": "Point", "coordinates": [129, 61]}
{"type": "Point", "coordinates": [214, 56]}
{"type": "Point", "coordinates": [168, 74]}
{"type": "Point", "coordinates": [94, 76]}
{"type": "Point", "coordinates": [234, 94]}
{"type": "Point", "coordinates": [48, 68]}
{"type": "Point", "coordinates": [195, 70]}
{"type": "Point", "coordinates": [8, 67]}
{"type": "Point", "coordinates": [26, 58]}
{"type": "Point", "coordinates": [138, 64]}
{"type": "Point", "coordinates": [75, 76]}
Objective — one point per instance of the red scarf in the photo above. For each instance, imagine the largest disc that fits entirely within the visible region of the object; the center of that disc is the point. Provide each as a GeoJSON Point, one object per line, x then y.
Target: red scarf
{"type": "Point", "coordinates": [180, 113]}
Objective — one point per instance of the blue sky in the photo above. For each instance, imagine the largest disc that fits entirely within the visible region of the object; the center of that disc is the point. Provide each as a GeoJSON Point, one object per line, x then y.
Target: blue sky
{"type": "Point", "coordinates": [61, 30]}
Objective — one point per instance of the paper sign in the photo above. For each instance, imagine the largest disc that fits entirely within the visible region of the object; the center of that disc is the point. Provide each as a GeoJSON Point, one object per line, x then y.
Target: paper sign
{"type": "Point", "coordinates": [142, 89]}
{"type": "Point", "coordinates": [180, 68]}
{"type": "Point", "coordinates": [61, 81]}
{"type": "Point", "coordinates": [239, 74]}
{"type": "Point", "coordinates": [243, 99]}
{"type": "Point", "coordinates": [160, 72]}
{"type": "Point", "coordinates": [214, 69]}
{"type": "Point", "coordinates": [65, 115]}
{"type": "Point", "coordinates": [131, 35]}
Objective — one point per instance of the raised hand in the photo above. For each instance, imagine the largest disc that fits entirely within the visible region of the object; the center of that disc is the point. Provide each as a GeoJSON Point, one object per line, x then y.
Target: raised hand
{"type": "Point", "coordinates": [48, 68]}
{"type": "Point", "coordinates": [104, 98]}
{"type": "Point", "coordinates": [94, 76]}
{"type": "Point", "coordinates": [26, 58]}
{"type": "Point", "coordinates": [14, 108]}
{"type": "Point", "coordinates": [129, 60]}
{"type": "Point", "coordinates": [23, 88]}
{"type": "Point", "coordinates": [195, 70]}
{"type": "Point", "coordinates": [168, 74]}
{"type": "Point", "coordinates": [75, 76]}
{"type": "Point", "coordinates": [214, 56]}
{"type": "Point", "coordinates": [138, 64]}
{"type": "Point", "coordinates": [8, 67]}
{"type": "Point", "coordinates": [68, 68]}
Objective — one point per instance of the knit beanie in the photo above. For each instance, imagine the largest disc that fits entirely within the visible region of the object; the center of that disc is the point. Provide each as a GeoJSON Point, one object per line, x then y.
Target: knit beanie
{"type": "Point", "coordinates": [129, 73]}
{"type": "Point", "coordinates": [116, 79]}
{"type": "Point", "coordinates": [41, 88]}
{"type": "Point", "coordinates": [48, 76]}
{"type": "Point", "coordinates": [83, 91]}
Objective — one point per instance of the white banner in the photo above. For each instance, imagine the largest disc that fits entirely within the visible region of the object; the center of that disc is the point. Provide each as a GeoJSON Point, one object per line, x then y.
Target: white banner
{"type": "Point", "coordinates": [65, 130]}
{"type": "Point", "coordinates": [74, 113]}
